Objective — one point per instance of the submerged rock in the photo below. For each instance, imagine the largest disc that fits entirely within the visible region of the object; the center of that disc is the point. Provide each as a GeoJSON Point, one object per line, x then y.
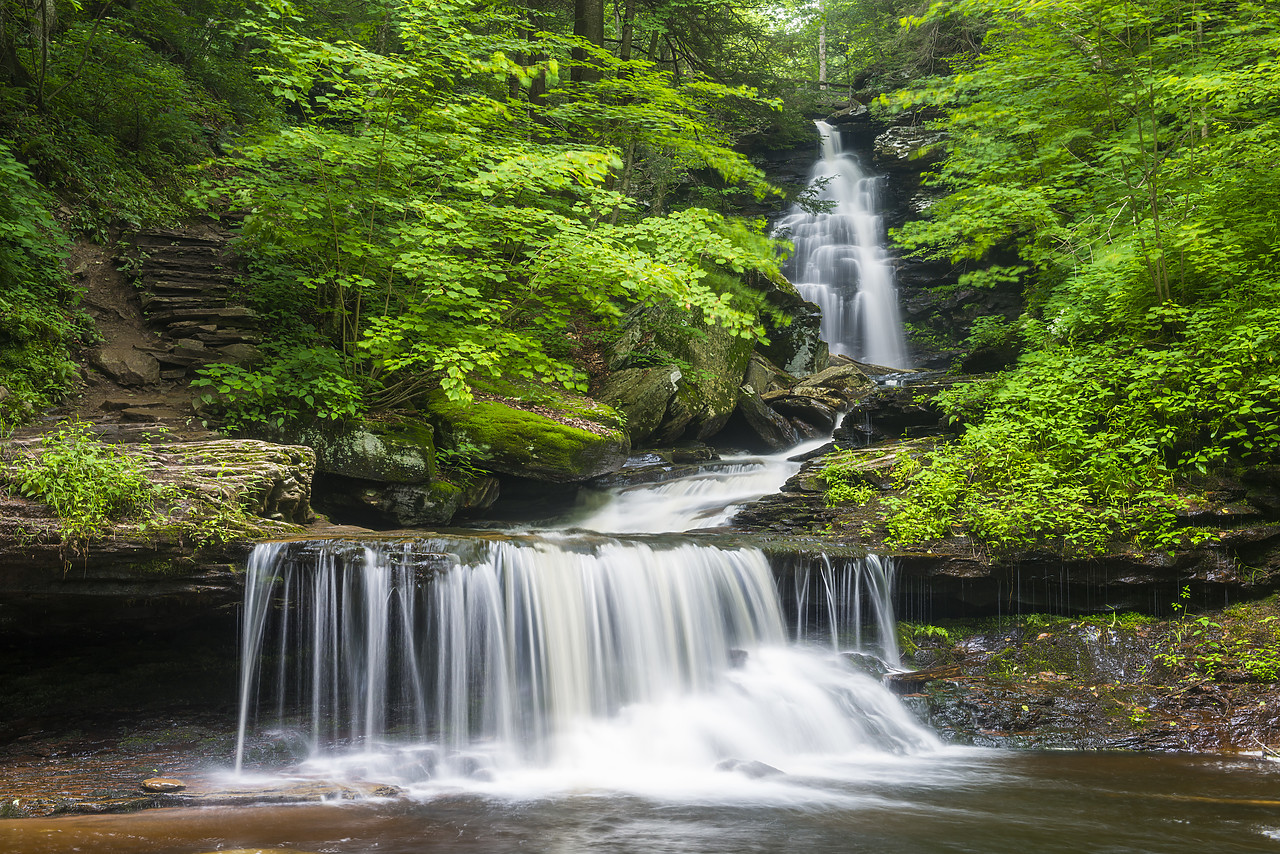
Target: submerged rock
{"type": "Point", "coordinates": [753, 768]}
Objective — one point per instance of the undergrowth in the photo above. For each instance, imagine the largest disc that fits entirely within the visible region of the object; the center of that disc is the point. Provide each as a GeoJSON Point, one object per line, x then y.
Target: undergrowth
{"type": "Point", "coordinates": [97, 489]}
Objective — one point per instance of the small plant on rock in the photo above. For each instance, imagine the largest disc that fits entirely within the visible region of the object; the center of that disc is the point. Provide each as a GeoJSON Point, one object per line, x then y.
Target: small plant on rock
{"type": "Point", "coordinates": [85, 482]}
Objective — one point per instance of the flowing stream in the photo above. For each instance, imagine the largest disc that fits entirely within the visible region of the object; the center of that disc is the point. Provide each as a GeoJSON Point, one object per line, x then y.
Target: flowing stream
{"type": "Point", "coordinates": [840, 261]}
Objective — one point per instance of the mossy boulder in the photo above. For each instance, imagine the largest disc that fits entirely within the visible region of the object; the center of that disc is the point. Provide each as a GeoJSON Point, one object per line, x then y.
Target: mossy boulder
{"type": "Point", "coordinates": [404, 505]}
{"type": "Point", "coordinates": [385, 452]}
{"type": "Point", "coordinates": [537, 441]}
{"type": "Point", "coordinates": [711, 362]}
{"type": "Point", "coordinates": [642, 395]}
{"type": "Point", "coordinates": [764, 376]}
{"type": "Point", "coordinates": [795, 344]}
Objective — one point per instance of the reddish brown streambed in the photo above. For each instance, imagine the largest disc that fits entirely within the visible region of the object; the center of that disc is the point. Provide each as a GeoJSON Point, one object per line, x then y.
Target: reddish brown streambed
{"type": "Point", "coordinates": [962, 800]}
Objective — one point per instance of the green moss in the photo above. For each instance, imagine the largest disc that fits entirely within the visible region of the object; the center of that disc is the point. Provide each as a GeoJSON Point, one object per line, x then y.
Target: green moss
{"type": "Point", "coordinates": [529, 444]}
{"type": "Point", "coordinates": [552, 397]}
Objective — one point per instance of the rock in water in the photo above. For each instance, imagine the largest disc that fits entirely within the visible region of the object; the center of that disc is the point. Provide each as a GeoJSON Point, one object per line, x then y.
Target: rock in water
{"type": "Point", "coordinates": [163, 784]}
{"type": "Point", "coordinates": [754, 768]}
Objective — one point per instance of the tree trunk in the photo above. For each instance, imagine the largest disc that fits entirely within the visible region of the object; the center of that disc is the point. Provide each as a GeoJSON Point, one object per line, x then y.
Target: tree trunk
{"type": "Point", "coordinates": [822, 47]}
{"type": "Point", "coordinates": [588, 24]}
{"type": "Point", "coordinates": [627, 31]}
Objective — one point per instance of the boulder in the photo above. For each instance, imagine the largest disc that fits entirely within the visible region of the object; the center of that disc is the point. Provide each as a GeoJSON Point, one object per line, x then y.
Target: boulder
{"type": "Point", "coordinates": [240, 353]}
{"type": "Point", "coordinates": [127, 367]}
{"type": "Point", "coordinates": [384, 452]}
{"type": "Point", "coordinates": [712, 363]}
{"type": "Point", "coordinates": [825, 396]}
{"type": "Point", "coordinates": [535, 442]}
{"type": "Point", "coordinates": [772, 428]}
{"type": "Point", "coordinates": [404, 505]}
{"type": "Point", "coordinates": [848, 380]}
{"type": "Point", "coordinates": [809, 410]}
{"type": "Point", "coordinates": [642, 396]}
{"type": "Point", "coordinates": [764, 376]}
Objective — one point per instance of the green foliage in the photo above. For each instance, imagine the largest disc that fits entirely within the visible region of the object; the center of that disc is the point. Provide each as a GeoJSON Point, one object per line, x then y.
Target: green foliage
{"type": "Point", "coordinates": [440, 235]}
{"type": "Point", "coordinates": [846, 481]}
{"type": "Point", "coordinates": [35, 298]}
{"type": "Point", "coordinates": [1240, 644]}
{"type": "Point", "coordinates": [295, 385]}
{"type": "Point", "coordinates": [1120, 152]}
{"type": "Point", "coordinates": [992, 331]}
{"type": "Point", "coordinates": [88, 484]}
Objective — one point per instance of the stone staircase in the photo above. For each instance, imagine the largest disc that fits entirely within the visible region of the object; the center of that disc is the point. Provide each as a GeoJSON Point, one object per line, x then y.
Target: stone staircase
{"type": "Point", "coordinates": [187, 286]}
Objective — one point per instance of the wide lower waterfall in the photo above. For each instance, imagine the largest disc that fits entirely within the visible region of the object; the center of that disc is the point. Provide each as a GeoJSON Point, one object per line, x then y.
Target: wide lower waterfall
{"type": "Point", "coordinates": [479, 658]}
{"type": "Point", "coordinates": [840, 261]}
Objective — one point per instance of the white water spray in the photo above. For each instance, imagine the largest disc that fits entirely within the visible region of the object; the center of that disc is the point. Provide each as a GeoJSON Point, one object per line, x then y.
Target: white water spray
{"type": "Point", "coordinates": [840, 262]}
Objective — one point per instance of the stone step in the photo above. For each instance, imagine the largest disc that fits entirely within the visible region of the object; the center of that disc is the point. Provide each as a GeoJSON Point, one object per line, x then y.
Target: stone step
{"type": "Point", "coordinates": [237, 317]}
{"type": "Point", "coordinates": [192, 285]}
{"type": "Point", "coordinates": [228, 336]}
{"type": "Point", "coordinates": [152, 303]}
{"type": "Point", "coordinates": [168, 237]}
{"type": "Point", "coordinates": [205, 254]}
{"type": "Point", "coordinates": [170, 267]}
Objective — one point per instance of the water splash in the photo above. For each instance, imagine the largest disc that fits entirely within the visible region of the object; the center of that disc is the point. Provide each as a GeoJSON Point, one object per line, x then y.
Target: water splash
{"type": "Point", "coordinates": [840, 261]}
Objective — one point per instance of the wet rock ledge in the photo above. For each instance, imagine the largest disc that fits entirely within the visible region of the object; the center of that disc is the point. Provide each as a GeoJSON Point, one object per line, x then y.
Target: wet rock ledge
{"type": "Point", "coordinates": [218, 495]}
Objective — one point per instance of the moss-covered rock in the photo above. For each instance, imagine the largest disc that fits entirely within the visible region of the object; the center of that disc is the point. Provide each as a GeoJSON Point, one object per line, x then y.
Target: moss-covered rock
{"type": "Point", "coordinates": [764, 376]}
{"type": "Point", "coordinates": [642, 395]}
{"type": "Point", "coordinates": [795, 345]}
{"type": "Point", "coordinates": [404, 505]}
{"type": "Point", "coordinates": [530, 440]}
{"type": "Point", "coordinates": [711, 361]}
{"type": "Point", "coordinates": [387, 452]}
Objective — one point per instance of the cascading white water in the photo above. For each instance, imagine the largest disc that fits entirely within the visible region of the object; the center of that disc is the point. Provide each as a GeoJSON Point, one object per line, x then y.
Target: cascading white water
{"type": "Point", "coordinates": [840, 262]}
{"type": "Point", "coordinates": [706, 499]}
{"type": "Point", "coordinates": [550, 656]}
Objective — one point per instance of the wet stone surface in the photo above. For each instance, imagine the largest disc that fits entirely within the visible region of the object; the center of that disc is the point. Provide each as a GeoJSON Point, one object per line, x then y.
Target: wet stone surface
{"type": "Point", "coordinates": [104, 769]}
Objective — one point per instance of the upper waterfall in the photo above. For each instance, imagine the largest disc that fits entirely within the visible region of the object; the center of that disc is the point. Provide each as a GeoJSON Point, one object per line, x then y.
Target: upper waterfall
{"type": "Point", "coordinates": [840, 261]}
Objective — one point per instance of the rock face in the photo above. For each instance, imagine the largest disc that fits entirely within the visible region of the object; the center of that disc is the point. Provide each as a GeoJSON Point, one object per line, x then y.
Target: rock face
{"type": "Point", "coordinates": [909, 148]}
{"type": "Point", "coordinates": [531, 441]}
{"type": "Point", "coordinates": [795, 347]}
{"type": "Point", "coordinates": [1111, 682]}
{"type": "Point", "coordinates": [642, 395]}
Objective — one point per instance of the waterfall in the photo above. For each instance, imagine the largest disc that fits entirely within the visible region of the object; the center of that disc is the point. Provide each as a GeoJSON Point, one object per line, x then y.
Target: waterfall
{"type": "Point", "coordinates": [840, 262]}
{"type": "Point", "coordinates": [479, 659]}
